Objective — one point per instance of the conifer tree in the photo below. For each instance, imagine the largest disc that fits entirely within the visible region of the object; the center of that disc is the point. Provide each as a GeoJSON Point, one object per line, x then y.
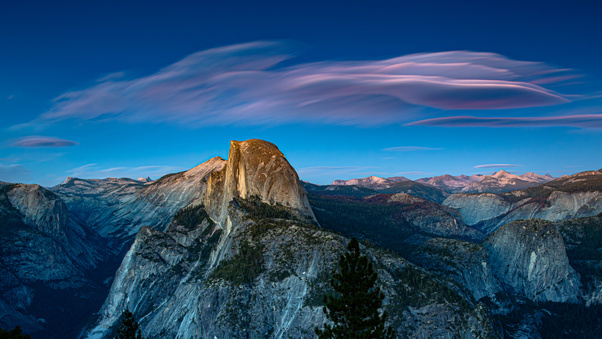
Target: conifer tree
{"type": "Point", "coordinates": [16, 333]}
{"type": "Point", "coordinates": [129, 327]}
{"type": "Point", "coordinates": [354, 311]}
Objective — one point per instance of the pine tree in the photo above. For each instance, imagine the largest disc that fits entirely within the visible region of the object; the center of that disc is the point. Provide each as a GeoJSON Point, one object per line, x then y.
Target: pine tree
{"type": "Point", "coordinates": [129, 327]}
{"type": "Point", "coordinates": [16, 333]}
{"type": "Point", "coordinates": [354, 311]}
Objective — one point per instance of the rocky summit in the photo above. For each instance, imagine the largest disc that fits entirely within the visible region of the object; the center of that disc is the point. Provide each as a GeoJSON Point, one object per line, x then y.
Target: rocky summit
{"type": "Point", "coordinates": [255, 168]}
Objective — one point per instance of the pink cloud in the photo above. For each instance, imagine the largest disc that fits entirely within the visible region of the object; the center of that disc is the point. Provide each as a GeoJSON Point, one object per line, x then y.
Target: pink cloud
{"type": "Point", "coordinates": [244, 84]}
{"type": "Point", "coordinates": [497, 166]}
{"type": "Point", "coordinates": [39, 141]}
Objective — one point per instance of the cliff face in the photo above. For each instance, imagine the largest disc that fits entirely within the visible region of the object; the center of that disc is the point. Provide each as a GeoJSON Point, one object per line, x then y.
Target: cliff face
{"type": "Point", "coordinates": [478, 207]}
{"type": "Point", "coordinates": [524, 259]}
{"type": "Point", "coordinates": [254, 264]}
{"type": "Point", "coordinates": [433, 218]}
{"type": "Point", "coordinates": [569, 197]}
{"type": "Point", "coordinates": [255, 168]}
{"type": "Point", "coordinates": [117, 208]}
{"type": "Point", "coordinates": [43, 251]}
{"type": "Point", "coordinates": [530, 259]}
{"type": "Point", "coordinates": [488, 211]}
{"type": "Point", "coordinates": [467, 263]}
{"type": "Point", "coordinates": [583, 241]}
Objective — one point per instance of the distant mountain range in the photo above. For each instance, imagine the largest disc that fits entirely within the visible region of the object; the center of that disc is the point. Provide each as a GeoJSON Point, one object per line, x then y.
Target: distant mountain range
{"type": "Point", "coordinates": [498, 182]}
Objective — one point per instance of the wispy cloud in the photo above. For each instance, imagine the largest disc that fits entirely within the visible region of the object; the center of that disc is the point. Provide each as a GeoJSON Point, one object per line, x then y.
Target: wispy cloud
{"type": "Point", "coordinates": [40, 141]}
{"type": "Point", "coordinates": [332, 170]}
{"type": "Point", "coordinates": [111, 77]}
{"type": "Point", "coordinates": [14, 173]}
{"type": "Point", "coordinates": [411, 149]}
{"type": "Point", "coordinates": [581, 121]}
{"type": "Point", "coordinates": [497, 166]}
{"type": "Point", "coordinates": [93, 171]}
{"type": "Point", "coordinates": [246, 84]}
{"type": "Point", "coordinates": [413, 173]}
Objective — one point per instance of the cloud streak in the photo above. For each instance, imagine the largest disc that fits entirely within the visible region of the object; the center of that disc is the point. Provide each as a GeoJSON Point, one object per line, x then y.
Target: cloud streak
{"type": "Point", "coordinates": [413, 173]}
{"type": "Point", "coordinates": [14, 173]}
{"type": "Point", "coordinates": [93, 171]}
{"type": "Point", "coordinates": [40, 141]}
{"type": "Point", "coordinates": [245, 84]}
{"type": "Point", "coordinates": [410, 149]}
{"type": "Point", "coordinates": [332, 170]}
{"type": "Point", "coordinates": [497, 166]}
{"type": "Point", "coordinates": [580, 121]}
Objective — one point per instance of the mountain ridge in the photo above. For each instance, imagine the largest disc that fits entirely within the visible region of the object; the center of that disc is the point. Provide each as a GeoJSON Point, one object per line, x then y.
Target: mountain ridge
{"type": "Point", "coordinates": [500, 181]}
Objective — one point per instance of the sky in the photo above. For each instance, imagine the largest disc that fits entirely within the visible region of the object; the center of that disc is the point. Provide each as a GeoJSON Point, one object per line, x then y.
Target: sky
{"type": "Point", "coordinates": [349, 89]}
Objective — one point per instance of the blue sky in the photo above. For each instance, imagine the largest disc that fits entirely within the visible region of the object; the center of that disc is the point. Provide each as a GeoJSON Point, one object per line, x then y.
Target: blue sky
{"type": "Point", "coordinates": [345, 89]}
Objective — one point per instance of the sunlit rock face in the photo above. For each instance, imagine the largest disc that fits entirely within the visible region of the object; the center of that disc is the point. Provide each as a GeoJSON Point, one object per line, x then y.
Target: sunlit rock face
{"type": "Point", "coordinates": [117, 208]}
{"type": "Point", "coordinates": [255, 168]}
{"type": "Point", "coordinates": [530, 259]}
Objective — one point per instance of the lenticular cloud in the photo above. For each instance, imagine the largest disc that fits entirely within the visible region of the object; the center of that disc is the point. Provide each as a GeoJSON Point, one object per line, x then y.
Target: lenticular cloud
{"type": "Point", "coordinates": [245, 84]}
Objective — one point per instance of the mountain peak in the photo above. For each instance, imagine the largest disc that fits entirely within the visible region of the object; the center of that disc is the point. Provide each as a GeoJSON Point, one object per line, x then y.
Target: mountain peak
{"type": "Point", "coordinates": [68, 181]}
{"type": "Point", "coordinates": [202, 168]}
{"type": "Point", "coordinates": [502, 173]}
{"type": "Point", "coordinates": [255, 168]}
{"type": "Point", "coordinates": [371, 181]}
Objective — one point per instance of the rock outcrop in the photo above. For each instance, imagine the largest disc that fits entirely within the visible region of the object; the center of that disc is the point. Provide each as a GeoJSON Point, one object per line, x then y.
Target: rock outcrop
{"type": "Point", "coordinates": [255, 168]}
{"type": "Point", "coordinates": [576, 196]}
{"type": "Point", "coordinates": [433, 218]}
{"type": "Point", "coordinates": [530, 259]}
{"type": "Point", "coordinates": [117, 208]}
{"type": "Point", "coordinates": [478, 207]}
{"type": "Point", "coordinates": [43, 252]}
{"type": "Point", "coordinates": [466, 262]}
